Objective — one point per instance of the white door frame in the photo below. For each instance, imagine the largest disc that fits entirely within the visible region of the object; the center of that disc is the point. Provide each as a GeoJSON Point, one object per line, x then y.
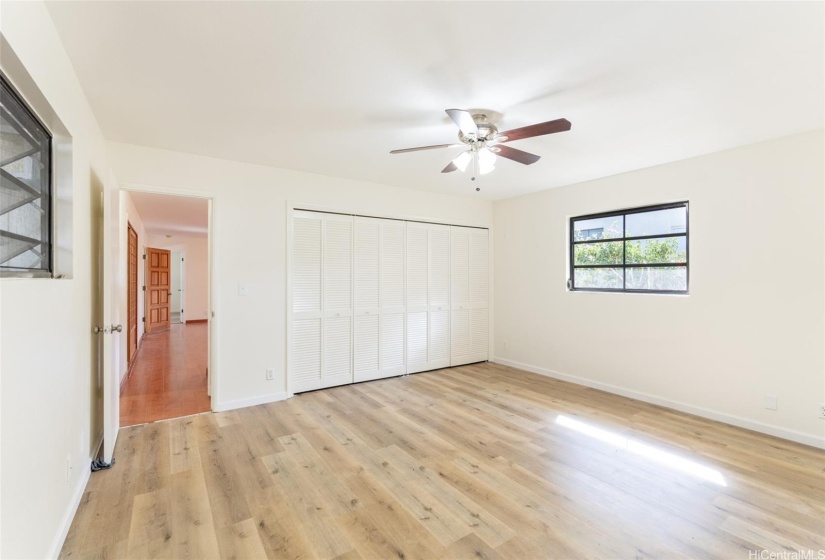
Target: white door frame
{"type": "Point", "coordinates": [292, 205]}
{"type": "Point", "coordinates": [212, 257]}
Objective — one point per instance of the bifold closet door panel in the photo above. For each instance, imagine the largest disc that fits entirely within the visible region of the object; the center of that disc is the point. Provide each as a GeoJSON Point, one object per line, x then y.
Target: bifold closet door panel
{"type": "Point", "coordinates": [393, 357]}
{"type": "Point", "coordinates": [338, 300]}
{"type": "Point", "coordinates": [307, 317]}
{"type": "Point", "coordinates": [479, 294]}
{"type": "Point", "coordinates": [459, 295]}
{"type": "Point", "coordinates": [417, 296]}
{"type": "Point", "coordinates": [428, 296]}
{"type": "Point", "coordinates": [469, 295]}
{"type": "Point", "coordinates": [379, 298]}
{"type": "Point", "coordinates": [367, 262]}
{"type": "Point", "coordinates": [438, 335]}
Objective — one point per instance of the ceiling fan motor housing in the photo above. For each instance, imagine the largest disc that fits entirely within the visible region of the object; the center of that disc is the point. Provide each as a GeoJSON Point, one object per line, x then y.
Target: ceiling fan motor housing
{"type": "Point", "coordinates": [486, 130]}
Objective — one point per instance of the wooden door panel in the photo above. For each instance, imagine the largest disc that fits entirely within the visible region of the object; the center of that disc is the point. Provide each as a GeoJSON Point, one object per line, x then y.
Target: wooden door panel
{"type": "Point", "coordinates": [157, 314]}
{"type": "Point", "coordinates": [132, 291]}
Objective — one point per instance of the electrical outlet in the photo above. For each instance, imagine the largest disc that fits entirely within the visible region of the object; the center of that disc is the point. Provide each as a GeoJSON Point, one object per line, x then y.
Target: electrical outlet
{"type": "Point", "coordinates": [243, 289]}
{"type": "Point", "coordinates": [770, 402]}
{"type": "Point", "coordinates": [822, 410]}
{"type": "Point", "coordinates": [270, 374]}
{"type": "Point", "coordinates": [68, 468]}
{"type": "Point", "coordinates": [505, 346]}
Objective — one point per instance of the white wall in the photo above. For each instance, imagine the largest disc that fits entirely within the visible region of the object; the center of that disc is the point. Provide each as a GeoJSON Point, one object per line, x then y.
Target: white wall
{"type": "Point", "coordinates": [196, 280]}
{"type": "Point", "coordinates": [176, 284]}
{"type": "Point", "coordinates": [753, 324]}
{"type": "Point", "coordinates": [49, 388]}
{"type": "Point", "coordinates": [249, 239]}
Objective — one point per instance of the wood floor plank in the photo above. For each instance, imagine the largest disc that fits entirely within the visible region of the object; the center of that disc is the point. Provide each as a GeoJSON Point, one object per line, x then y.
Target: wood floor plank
{"type": "Point", "coordinates": [241, 541]}
{"type": "Point", "coordinates": [467, 462]}
{"type": "Point", "coordinates": [191, 517]}
{"type": "Point", "coordinates": [324, 536]}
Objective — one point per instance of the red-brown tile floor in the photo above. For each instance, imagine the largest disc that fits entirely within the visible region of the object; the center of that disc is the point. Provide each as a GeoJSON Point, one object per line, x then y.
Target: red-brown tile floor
{"type": "Point", "coordinates": [169, 377]}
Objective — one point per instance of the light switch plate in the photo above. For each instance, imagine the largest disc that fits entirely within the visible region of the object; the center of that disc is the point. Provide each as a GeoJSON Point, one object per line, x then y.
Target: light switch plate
{"type": "Point", "coordinates": [243, 290]}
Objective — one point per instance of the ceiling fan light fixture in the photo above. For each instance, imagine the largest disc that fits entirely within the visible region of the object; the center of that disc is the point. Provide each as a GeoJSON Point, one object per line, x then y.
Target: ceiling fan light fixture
{"type": "Point", "coordinates": [486, 161]}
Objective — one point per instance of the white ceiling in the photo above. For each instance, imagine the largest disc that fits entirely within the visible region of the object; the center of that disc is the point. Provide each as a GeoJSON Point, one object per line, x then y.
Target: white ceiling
{"type": "Point", "coordinates": [176, 216]}
{"type": "Point", "coordinates": [332, 87]}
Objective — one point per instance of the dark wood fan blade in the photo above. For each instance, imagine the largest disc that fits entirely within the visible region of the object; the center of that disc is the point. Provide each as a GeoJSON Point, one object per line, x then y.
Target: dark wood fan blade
{"type": "Point", "coordinates": [450, 168]}
{"type": "Point", "coordinates": [549, 127]}
{"type": "Point", "coordinates": [405, 150]}
{"type": "Point", "coordinates": [464, 121]}
{"type": "Point", "coordinates": [517, 155]}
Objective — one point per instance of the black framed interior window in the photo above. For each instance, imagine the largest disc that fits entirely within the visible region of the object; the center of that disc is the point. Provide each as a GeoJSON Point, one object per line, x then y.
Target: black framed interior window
{"type": "Point", "coordinates": [25, 188]}
{"type": "Point", "coordinates": [637, 250]}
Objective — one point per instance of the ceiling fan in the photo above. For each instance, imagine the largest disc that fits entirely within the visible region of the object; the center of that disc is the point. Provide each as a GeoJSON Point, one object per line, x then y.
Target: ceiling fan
{"type": "Point", "coordinates": [484, 142]}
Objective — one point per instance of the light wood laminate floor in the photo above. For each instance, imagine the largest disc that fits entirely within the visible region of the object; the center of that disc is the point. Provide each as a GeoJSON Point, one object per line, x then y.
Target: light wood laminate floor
{"type": "Point", "coordinates": [168, 378]}
{"type": "Point", "coordinates": [480, 461]}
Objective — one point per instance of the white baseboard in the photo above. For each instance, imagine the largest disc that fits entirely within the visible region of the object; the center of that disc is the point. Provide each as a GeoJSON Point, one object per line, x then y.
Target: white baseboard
{"type": "Point", "coordinates": [731, 419]}
{"type": "Point", "coordinates": [252, 401]}
{"type": "Point", "coordinates": [68, 516]}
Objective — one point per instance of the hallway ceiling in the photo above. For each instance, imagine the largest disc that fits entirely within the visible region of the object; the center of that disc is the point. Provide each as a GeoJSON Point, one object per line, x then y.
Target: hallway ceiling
{"type": "Point", "coordinates": [178, 216]}
{"type": "Point", "coordinates": [331, 88]}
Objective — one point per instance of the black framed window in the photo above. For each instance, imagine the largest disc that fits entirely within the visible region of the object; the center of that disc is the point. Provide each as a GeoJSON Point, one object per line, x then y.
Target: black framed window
{"type": "Point", "coordinates": [637, 250]}
{"type": "Point", "coordinates": [25, 188]}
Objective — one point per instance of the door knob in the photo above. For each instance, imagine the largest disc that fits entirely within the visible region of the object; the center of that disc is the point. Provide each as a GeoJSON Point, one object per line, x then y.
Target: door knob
{"type": "Point", "coordinates": [97, 330]}
{"type": "Point", "coordinates": [118, 328]}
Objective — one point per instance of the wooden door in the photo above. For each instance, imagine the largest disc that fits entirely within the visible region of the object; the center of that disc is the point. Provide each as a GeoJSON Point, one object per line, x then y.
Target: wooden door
{"type": "Point", "coordinates": [132, 289]}
{"type": "Point", "coordinates": [157, 289]}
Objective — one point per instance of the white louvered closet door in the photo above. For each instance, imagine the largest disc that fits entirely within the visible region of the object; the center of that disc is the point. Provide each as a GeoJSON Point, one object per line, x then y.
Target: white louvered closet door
{"type": "Point", "coordinates": [479, 294]}
{"type": "Point", "coordinates": [417, 296]}
{"type": "Point", "coordinates": [375, 298]}
{"type": "Point", "coordinates": [307, 314]}
{"type": "Point", "coordinates": [367, 263]}
{"type": "Point", "coordinates": [428, 296]}
{"type": "Point", "coordinates": [338, 295]}
{"type": "Point", "coordinates": [393, 358]}
{"type": "Point", "coordinates": [438, 338]}
{"type": "Point", "coordinates": [460, 295]}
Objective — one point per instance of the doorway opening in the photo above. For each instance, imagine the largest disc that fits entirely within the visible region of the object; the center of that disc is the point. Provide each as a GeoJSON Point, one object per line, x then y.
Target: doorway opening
{"type": "Point", "coordinates": [167, 299]}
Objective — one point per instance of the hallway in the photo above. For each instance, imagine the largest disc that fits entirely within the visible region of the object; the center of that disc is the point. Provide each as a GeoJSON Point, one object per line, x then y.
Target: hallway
{"type": "Point", "coordinates": [168, 379]}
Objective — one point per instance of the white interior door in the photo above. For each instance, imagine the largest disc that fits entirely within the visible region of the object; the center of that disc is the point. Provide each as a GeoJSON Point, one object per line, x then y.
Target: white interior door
{"type": "Point", "coordinates": [111, 337]}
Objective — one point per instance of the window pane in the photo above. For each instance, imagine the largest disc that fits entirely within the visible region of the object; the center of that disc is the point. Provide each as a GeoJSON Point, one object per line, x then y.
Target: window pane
{"type": "Point", "coordinates": [598, 278]}
{"type": "Point", "coordinates": [657, 222]}
{"type": "Point", "coordinates": [609, 252]}
{"type": "Point", "coordinates": [660, 278]}
{"type": "Point", "coordinates": [598, 228]}
{"type": "Point", "coordinates": [25, 166]}
{"type": "Point", "coordinates": [655, 251]}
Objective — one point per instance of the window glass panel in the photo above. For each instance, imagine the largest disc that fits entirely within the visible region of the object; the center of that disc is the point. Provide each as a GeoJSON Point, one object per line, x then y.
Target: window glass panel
{"type": "Point", "coordinates": [598, 228]}
{"type": "Point", "coordinates": [654, 251]}
{"type": "Point", "coordinates": [657, 222]}
{"type": "Point", "coordinates": [604, 278]}
{"type": "Point", "coordinates": [25, 170]}
{"type": "Point", "coordinates": [607, 252]}
{"type": "Point", "coordinates": [658, 278]}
